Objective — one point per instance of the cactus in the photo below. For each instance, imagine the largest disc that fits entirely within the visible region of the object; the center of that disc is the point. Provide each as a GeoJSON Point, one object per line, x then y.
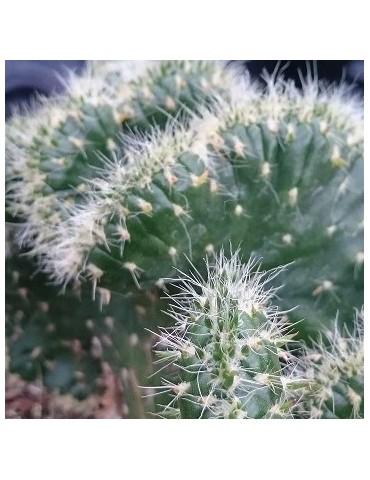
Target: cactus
{"type": "Point", "coordinates": [281, 171]}
{"type": "Point", "coordinates": [139, 167]}
{"type": "Point", "coordinates": [52, 152]}
{"type": "Point", "coordinates": [64, 342]}
{"type": "Point", "coordinates": [226, 341]}
{"type": "Point", "coordinates": [334, 367]}
{"type": "Point", "coordinates": [230, 356]}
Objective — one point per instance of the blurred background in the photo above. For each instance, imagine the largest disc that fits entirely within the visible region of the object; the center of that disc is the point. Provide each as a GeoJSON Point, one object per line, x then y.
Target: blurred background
{"type": "Point", "coordinates": [25, 78]}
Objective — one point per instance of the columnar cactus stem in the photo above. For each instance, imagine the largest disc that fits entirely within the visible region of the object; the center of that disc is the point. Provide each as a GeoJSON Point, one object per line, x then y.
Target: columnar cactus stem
{"type": "Point", "coordinates": [228, 344]}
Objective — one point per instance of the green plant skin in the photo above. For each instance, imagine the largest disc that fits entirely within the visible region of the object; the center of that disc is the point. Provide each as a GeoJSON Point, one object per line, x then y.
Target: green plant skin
{"type": "Point", "coordinates": [266, 361]}
{"type": "Point", "coordinates": [42, 332]}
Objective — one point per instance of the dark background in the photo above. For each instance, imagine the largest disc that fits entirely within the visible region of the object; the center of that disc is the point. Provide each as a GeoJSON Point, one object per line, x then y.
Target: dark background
{"type": "Point", "coordinates": [24, 78]}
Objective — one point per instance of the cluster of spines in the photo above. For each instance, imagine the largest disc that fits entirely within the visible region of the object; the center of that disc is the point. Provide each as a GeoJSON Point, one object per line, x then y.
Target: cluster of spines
{"type": "Point", "coordinates": [208, 157]}
{"type": "Point", "coordinates": [228, 344]}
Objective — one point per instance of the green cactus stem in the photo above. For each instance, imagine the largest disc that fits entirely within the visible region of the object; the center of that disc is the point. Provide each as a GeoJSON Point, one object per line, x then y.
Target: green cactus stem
{"type": "Point", "coordinates": [140, 167]}
{"type": "Point", "coordinates": [278, 171]}
{"type": "Point", "coordinates": [228, 346]}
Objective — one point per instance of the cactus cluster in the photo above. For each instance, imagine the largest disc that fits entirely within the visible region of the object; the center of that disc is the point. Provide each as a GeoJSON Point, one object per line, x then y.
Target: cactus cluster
{"type": "Point", "coordinates": [140, 166]}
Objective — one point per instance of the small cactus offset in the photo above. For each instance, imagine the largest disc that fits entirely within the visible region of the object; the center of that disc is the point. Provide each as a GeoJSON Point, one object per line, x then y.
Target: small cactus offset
{"type": "Point", "coordinates": [228, 344]}
{"type": "Point", "coordinates": [137, 168]}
